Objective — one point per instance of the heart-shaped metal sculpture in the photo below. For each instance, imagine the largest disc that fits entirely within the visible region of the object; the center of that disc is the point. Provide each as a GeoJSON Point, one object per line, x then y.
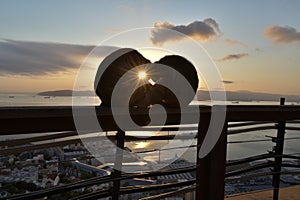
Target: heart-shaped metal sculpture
{"type": "Point", "coordinates": [115, 65]}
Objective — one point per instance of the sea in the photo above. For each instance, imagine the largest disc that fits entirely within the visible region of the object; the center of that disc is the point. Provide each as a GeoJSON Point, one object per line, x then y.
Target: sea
{"type": "Point", "coordinates": [243, 148]}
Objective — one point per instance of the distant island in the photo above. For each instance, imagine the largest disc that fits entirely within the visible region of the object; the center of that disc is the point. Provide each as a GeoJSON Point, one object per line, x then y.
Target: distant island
{"type": "Point", "coordinates": [66, 93]}
{"type": "Point", "coordinates": [203, 95]}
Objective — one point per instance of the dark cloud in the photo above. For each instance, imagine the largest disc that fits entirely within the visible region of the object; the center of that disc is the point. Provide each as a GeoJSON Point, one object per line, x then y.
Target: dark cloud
{"type": "Point", "coordinates": [198, 30]}
{"type": "Point", "coordinates": [233, 57]}
{"type": "Point", "coordinates": [283, 35]}
{"type": "Point", "coordinates": [227, 82]}
{"type": "Point", "coordinates": [235, 42]}
{"type": "Point", "coordinates": [40, 58]}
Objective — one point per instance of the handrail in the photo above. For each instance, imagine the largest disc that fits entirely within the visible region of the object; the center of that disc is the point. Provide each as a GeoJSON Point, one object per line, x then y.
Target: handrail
{"type": "Point", "coordinates": [23, 120]}
{"type": "Point", "coordinates": [41, 120]}
{"type": "Point", "coordinates": [246, 130]}
{"type": "Point", "coordinates": [248, 169]}
{"type": "Point", "coordinates": [249, 159]}
{"type": "Point", "coordinates": [37, 138]}
{"type": "Point", "coordinates": [241, 124]}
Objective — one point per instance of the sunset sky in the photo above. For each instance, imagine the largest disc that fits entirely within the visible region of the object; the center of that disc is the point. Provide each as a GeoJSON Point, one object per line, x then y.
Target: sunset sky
{"type": "Point", "coordinates": [254, 44]}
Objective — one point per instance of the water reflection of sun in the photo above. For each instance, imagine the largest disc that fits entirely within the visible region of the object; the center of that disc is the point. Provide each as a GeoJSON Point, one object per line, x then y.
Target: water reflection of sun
{"type": "Point", "coordinates": [141, 145]}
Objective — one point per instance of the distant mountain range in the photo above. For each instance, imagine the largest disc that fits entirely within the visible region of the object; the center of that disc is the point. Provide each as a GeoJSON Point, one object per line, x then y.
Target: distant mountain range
{"type": "Point", "coordinates": [203, 95]}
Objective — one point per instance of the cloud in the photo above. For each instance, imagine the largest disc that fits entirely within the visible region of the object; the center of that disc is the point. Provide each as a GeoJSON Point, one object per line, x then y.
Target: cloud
{"type": "Point", "coordinates": [227, 82]}
{"type": "Point", "coordinates": [233, 57]}
{"type": "Point", "coordinates": [282, 35]}
{"type": "Point", "coordinates": [257, 49]}
{"type": "Point", "coordinates": [198, 30]}
{"type": "Point", "coordinates": [39, 58]}
{"type": "Point", "coordinates": [235, 42]}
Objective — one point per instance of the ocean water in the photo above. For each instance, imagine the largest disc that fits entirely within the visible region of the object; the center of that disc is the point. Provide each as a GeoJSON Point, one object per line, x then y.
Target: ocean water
{"type": "Point", "coordinates": [234, 151]}
{"type": "Point", "coordinates": [18, 100]}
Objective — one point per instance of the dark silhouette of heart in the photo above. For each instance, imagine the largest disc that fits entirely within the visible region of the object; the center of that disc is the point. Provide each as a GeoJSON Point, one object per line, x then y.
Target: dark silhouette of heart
{"type": "Point", "coordinates": [111, 69]}
{"type": "Point", "coordinates": [115, 65]}
{"type": "Point", "coordinates": [185, 68]}
{"type": "Point", "coordinates": [150, 95]}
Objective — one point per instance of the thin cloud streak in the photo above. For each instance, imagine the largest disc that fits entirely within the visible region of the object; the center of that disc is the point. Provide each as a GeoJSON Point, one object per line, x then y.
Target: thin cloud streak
{"type": "Point", "coordinates": [29, 58]}
{"type": "Point", "coordinates": [198, 30]}
{"type": "Point", "coordinates": [235, 42]}
{"type": "Point", "coordinates": [227, 82]}
{"type": "Point", "coordinates": [233, 57]}
{"type": "Point", "coordinates": [282, 34]}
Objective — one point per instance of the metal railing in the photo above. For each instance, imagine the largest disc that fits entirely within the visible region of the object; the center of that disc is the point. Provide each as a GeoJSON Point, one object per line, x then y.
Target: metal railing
{"type": "Point", "coordinates": [210, 171]}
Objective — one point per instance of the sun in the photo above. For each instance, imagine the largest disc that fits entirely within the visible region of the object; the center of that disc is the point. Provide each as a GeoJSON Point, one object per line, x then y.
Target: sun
{"type": "Point", "coordinates": [141, 145]}
{"type": "Point", "coordinates": [142, 75]}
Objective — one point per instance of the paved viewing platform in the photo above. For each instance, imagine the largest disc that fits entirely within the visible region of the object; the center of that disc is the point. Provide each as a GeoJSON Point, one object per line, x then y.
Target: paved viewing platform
{"type": "Point", "coordinates": [288, 193]}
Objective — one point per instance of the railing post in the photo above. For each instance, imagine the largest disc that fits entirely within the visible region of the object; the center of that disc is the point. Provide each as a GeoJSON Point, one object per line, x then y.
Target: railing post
{"type": "Point", "coordinates": [118, 164]}
{"type": "Point", "coordinates": [278, 155]}
{"type": "Point", "coordinates": [211, 169]}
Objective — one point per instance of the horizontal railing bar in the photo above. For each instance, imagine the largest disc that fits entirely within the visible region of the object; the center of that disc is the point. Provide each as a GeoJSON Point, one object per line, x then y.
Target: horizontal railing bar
{"type": "Point", "coordinates": [290, 165]}
{"type": "Point", "coordinates": [249, 159]}
{"type": "Point", "coordinates": [247, 141]}
{"type": "Point", "coordinates": [158, 187]}
{"type": "Point", "coordinates": [19, 149]}
{"type": "Point", "coordinates": [165, 149]}
{"type": "Point", "coordinates": [42, 119]}
{"type": "Point", "coordinates": [292, 128]}
{"type": "Point", "coordinates": [241, 124]}
{"type": "Point", "coordinates": [291, 157]}
{"type": "Point", "coordinates": [246, 130]}
{"type": "Point", "coordinates": [28, 140]}
{"type": "Point", "coordinates": [172, 193]}
{"type": "Point", "coordinates": [229, 162]}
{"type": "Point", "coordinates": [248, 169]}
{"type": "Point", "coordinates": [259, 166]}
{"type": "Point", "coordinates": [101, 194]}
{"type": "Point", "coordinates": [259, 157]}
{"type": "Point", "coordinates": [293, 122]}
{"type": "Point", "coordinates": [130, 190]}
{"type": "Point", "coordinates": [261, 140]}
{"type": "Point", "coordinates": [292, 138]}
{"type": "Point", "coordinates": [149, 129]}
{"type": "Point", "coordinates": [247, 176]}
